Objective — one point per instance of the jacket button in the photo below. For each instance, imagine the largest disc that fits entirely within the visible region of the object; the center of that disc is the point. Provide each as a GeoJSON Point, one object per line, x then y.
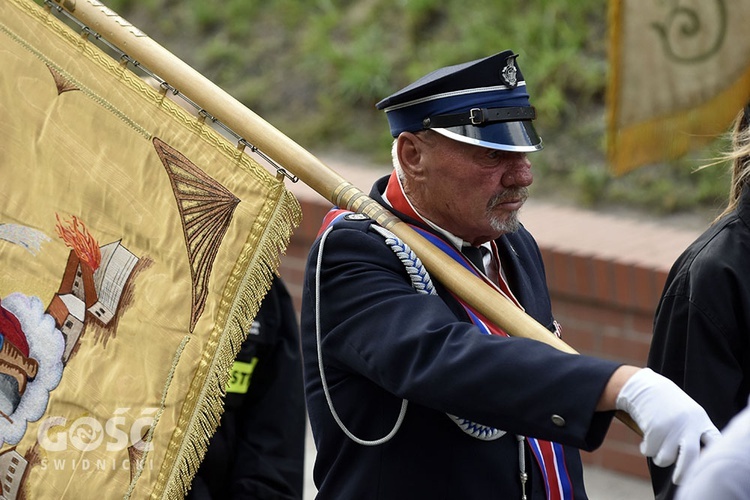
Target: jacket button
{"type": "Point", "coordinates": [558, 420]}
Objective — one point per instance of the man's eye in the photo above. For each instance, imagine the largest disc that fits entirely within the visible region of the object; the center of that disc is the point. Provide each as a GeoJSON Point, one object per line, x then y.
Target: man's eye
{"type": "Point", "coordinates": [493, 154]}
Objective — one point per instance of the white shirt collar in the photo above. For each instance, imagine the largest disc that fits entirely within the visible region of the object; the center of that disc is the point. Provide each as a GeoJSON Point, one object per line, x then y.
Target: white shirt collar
{"type": "Point", "coordinates": [454, 240]}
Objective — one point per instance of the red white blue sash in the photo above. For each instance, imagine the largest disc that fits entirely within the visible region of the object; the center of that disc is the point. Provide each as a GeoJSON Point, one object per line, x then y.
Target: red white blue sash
{"type": "Point", "coordinates": [551, 461]}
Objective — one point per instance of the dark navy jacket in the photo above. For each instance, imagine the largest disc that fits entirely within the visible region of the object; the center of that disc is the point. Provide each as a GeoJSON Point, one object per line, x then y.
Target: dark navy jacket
{"type": "Point", "coordinates": [702, 325]}
{"type": "Point", "coordinates": [381, 342]}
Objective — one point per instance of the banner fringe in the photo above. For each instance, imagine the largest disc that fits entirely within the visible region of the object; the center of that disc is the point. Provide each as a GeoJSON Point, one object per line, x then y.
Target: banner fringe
{"type": "Point", "coordinates": [210, 405]}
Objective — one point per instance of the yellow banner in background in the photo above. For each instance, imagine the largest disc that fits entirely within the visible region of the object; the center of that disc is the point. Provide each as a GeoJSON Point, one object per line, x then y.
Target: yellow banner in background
{"type": "Point", "coordinates": [136, 245]}
{"type": "Point", "coordinates": [679, 74]}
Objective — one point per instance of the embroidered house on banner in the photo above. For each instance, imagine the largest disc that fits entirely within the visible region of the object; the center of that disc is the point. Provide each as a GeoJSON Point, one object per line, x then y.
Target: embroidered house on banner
{"type": "Point", "coordinates": [96, 291]}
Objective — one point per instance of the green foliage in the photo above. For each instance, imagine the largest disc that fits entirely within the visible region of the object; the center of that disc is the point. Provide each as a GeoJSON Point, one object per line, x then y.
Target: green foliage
{"type": "Point", "coordinates": [316, 70]}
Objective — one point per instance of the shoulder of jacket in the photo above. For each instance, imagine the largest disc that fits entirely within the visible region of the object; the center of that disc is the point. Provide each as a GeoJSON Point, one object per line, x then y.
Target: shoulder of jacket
{"type": "Point", "coordinates": [356, 221]}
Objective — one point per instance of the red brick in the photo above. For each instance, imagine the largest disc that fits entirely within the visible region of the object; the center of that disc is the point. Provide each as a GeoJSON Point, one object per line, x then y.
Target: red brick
{"type": "Point", "coordinates": [562, 282]}
{"type": "Point", "coordinates": [601, 314]}
{"type": "Point", "coordinates": [583, 276]}
{"type": "Point", "coordinates": [623, 283]}
{"type": "Point", "coordinates": [581, 339]}
{"type": "Point", "coordinates": [626, 349]}
{"type": "Point", "coordinates": [549, 265]}
{"type": "Point", "coordinates": [292, 274]}
{"type": "Point", "coordinates": [645, 293]}
{"type": "Point", "coordinates": [603, 279]}
{"type": "Point", "coordinates": [660, 279]}
{"type": "Point", "coordinates": [643, 324]}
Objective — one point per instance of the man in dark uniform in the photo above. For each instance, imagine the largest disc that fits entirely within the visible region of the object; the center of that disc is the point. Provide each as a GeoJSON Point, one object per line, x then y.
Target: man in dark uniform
{"type": "Point", "coordinates": [411, 393]}
{"type": "Point", "coordinates": [258, 450]}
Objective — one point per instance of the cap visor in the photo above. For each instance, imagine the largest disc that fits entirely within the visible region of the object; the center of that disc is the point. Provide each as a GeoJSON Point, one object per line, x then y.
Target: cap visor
{"type": "Point", "coordinates": [506, 136]}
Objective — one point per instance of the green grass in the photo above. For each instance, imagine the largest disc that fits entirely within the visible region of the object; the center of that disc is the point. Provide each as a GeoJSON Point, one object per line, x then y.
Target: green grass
{"type": "Point", "coordinates": [315, 70]}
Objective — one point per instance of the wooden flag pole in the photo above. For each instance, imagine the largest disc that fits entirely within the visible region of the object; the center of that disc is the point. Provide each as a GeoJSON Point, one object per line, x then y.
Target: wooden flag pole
{"type": "Point", "coordinates": [283, 150]}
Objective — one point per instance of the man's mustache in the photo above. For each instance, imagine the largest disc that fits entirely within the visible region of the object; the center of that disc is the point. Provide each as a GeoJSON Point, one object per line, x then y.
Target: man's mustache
{"type": "Point", "coordinates": [511, 194]}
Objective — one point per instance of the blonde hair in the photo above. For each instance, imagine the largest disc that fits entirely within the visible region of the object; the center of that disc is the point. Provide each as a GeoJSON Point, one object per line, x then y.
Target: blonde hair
{"type": "Point", "coordinates": [739, 156]}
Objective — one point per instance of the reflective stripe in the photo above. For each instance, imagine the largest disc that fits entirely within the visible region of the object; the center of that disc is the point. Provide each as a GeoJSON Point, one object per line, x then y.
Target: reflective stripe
{"type": "Point", "coordinates": [240, 376]}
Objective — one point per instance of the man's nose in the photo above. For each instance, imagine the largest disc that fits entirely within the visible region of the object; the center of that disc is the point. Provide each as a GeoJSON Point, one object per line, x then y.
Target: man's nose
{"type": "Point", "coordinates": [518, 173]}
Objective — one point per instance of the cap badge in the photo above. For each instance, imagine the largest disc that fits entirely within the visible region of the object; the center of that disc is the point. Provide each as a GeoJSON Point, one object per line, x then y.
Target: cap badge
{"type": "Point", "coordinates": [509, 74]}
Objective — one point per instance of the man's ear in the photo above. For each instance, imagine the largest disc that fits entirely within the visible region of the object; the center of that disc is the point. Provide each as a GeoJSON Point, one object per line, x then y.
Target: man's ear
{"type": "Point", "coordinates": [409, 150]}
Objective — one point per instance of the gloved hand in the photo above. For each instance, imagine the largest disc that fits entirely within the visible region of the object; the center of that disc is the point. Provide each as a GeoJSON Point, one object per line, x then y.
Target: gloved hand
{"type": "Point", "coordinates": [673, 425]}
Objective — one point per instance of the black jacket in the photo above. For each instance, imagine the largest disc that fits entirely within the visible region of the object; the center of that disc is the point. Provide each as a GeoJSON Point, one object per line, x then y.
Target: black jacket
{"type": "Point", "coordinates": [258, 449]}
{"type": "Point", "coordinates": [702, 325]}
{"type": "Point", "coordinates": [381, 342]}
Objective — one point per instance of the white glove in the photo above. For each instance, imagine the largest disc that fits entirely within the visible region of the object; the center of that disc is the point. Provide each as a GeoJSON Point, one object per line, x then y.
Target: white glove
{"type": "Point", "coordinates": [673, 425]}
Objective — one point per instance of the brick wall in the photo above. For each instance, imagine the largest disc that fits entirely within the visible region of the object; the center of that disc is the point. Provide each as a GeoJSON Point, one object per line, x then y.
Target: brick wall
{"type": "Point", "coordinates": [604, 299]}
{"type": "Point", "coordinates": [606, 308]}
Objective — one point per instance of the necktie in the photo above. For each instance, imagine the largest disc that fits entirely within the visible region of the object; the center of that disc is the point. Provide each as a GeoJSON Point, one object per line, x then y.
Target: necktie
{"type": "Point", "coordinates": [475, 256]}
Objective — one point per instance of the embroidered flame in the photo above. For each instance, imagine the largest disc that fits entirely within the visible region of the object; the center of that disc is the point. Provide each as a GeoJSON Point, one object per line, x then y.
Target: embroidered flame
{"type": "Point", "coordinates": [77, 237]}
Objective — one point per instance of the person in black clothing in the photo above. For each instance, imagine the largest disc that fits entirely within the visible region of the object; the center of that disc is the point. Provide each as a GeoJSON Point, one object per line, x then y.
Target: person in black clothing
{"type": "Point", "coordinates": [702, 324]}
{"type": "Point", "coordinates": [258, 449]}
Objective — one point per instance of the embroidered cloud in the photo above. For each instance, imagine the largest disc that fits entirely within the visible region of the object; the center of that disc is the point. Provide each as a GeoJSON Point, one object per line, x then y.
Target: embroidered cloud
{"type": "Point", "coordinates": [30, 363]}
{"type": "Point", "coordinates": [24, 236]}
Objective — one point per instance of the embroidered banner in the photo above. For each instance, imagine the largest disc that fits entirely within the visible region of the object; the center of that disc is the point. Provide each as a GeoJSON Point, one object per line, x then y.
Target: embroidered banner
{"type": "Point", "coordinates": [679, 74]}
{"type": "Point", "coordinates": [136, 244]}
